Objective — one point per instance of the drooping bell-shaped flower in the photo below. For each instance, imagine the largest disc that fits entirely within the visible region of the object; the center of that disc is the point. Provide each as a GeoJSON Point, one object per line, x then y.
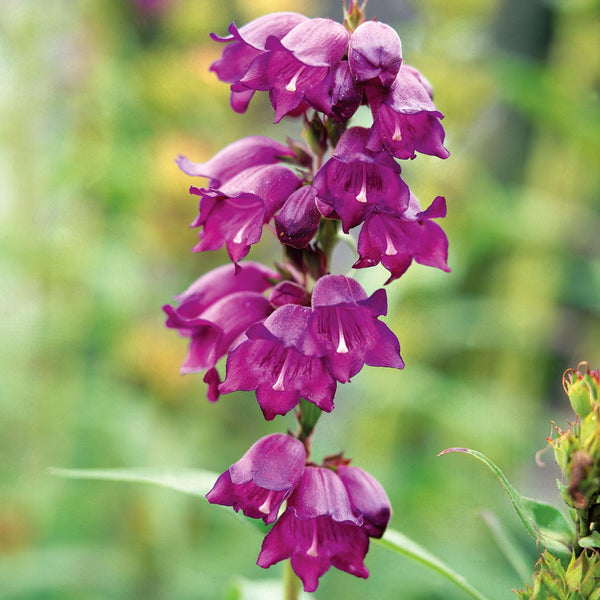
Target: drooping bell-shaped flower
{"type": "Point", "coordinates": [217, 309]}
{"type": "Point", "coordinates": [355, 180]}
{"type": "Point", "coordinates": [244, 45]}
{"type": "Point", "coordinates": [252, 151]}
{"type": "Point", "coordinates": [367, 497]}
{"type": "Point", "coordinates": [318, 529]}
{"type": "Point", "coordinates": [272, 362]}
{"type": "Point", "coordinates": [298, 220]}
{"type": "Point", "coordinates": [346, 95]}
{"type": "Point", "coordinates": [344, 327]}
{"type": "Point", "coordinates": [396, 241]}
{"type": "Point", "coordinates": [234, 214]}
{"type": "Point", "coordinates": [298, 67]}
{"type": "Point", "coordinates": [375, 53]}
{"type": "Point", "coordinates": [263, 478]}
{"type": "Point", "coordinates": [405, 119]}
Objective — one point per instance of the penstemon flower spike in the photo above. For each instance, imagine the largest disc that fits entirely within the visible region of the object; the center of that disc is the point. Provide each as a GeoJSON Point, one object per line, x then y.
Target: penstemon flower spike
{"type": "Point", "coordinates": [294, 333]}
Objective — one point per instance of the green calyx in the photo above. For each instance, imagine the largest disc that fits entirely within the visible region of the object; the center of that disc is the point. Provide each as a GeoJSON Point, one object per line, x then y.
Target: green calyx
{"type": "Point", "coordinates": [552, 581]}
{"type": "Point", "coordinates": [577, 451]}
{"type": "Point", "coordinates": [354, 15]}
{"type": "Point", "coordinates": [583, 389]}
{"type": "Point", "coordinates": [308, 414]}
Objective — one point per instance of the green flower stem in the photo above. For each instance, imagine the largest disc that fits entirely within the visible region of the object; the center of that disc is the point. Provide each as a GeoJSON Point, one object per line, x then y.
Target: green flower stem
{"type": "Point", "coordinates": [327, 237]}
{"type": "Point", "coordinates": [291, 583]}
{"type": "Point", "coordinates": [307, 415]}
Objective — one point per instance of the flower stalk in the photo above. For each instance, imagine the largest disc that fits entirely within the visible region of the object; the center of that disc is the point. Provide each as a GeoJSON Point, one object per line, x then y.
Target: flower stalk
{"type": "Point", "coordinates": [291, 583]}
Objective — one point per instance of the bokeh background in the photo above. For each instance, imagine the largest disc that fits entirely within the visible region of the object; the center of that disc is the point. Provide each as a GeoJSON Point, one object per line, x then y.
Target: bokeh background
{"type": "Point", "coordinates": [97, 97]}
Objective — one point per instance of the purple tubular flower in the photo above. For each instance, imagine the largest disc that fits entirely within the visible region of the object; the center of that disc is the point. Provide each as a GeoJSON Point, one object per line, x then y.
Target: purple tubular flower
{"type": "Point", "coordinates": [244, 46]}
{"type": "Point", "coordinates": [422, 79]}
{"type": "Point", "coordinates": [215, 310]}
{"type": "Point", "coordinates": [396, 241]}
{"type": "Point", "coordinates": [289, 292]}
{"type": "Point", "coordinates": [271, 362]}
{"type": "Point", "coordinates": [375, 52]}
{"type": "Point", "coordinates": [346, 95]}
{"type": "Point", "coordinates": [298, 66]}
{"type": "Point", "coordinates": [319, 529]}
{"type": "Point", "coordinates": [252, 151]}
{"type": "Point", "coordinates": [263, 478]}
{"type": "Point", "coordinates": [299, 219]}
{"type": "Point", "coordinates": [406, 119]}
{"type": "Point", "coordinates": [355, 180]}
{"type": "Point", "coordinates": [222, 281]}
{"type": "Point", "coordinates": [234, 214]}
{"type": "Point", "coordinates": [234, 222]}
{"type": "Point", "coordinates": [368, 498]}
{"type": "Point", "coordinates": [344, 327]}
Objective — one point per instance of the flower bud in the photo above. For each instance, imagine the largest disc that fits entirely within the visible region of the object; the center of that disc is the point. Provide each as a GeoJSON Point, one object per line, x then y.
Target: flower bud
{"type": "Point", "coordinates": [582, 389]}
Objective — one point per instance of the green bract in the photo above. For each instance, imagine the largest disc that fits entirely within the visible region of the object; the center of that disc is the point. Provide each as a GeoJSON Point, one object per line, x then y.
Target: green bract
{"type": "Point", "coordinates": [579, 581]}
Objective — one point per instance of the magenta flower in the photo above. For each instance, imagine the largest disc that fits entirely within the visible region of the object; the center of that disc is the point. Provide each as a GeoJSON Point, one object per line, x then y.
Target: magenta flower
{"type": "Point", "coordinates": [263, 478]}
{"type": "Point", "coordinates": [344, 327]}
{"type": "Point", "coordinates": [299, 219]}
{"type": "Point", "coordinates": [289, 292]}
{"type": "Point", "coordinates": [298, 67]}
{"type": "Point", "coordinates": [405, 118]}
{"type": "Point", "coordinates": [234, 214]}
{"type": "Point", "coordinates": [355, 180]}
{"type": "Point", "coordinates": [252, 151]}
{"type": "Point", "coordinates": [215, 310]}
{"type": "Point", "coordinates": [319, 529]}
{"type": "Point", "coordinates": [368, 499]}
{"type": "Point", "coordinates": [375, 53]}
{"type": "Point", "coordinates": [346, 95]}
{"type": "Point", "coordinates": [272, 361]}
{"type": "Point", "coordinates": [244, 45]}
{"type": "Point", "coordinates": [396, 241]}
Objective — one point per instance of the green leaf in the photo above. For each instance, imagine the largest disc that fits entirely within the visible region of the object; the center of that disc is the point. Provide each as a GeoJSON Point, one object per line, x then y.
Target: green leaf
{"type": "Point", "coordinates": [591, 541]}
{"type": "Point", "coordinates": [196, 482]}
{"type": "Point", "coordinates": [542, 521]}
{"type": "Point", "coordinates": [399, 543]}
{"type": "Point", "coordinates": [190, 481]}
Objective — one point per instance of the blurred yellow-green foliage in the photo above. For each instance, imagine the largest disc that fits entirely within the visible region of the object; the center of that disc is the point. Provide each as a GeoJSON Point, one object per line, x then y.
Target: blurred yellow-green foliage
{"type": "Point", "coordinates": [96, 99]}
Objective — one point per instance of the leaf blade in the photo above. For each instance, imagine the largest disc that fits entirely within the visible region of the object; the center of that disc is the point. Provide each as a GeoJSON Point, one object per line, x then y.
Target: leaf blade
{"type": "Point", "coordinates": [196, 482]}
{"type": "Point", "coordinates": [542, 521]}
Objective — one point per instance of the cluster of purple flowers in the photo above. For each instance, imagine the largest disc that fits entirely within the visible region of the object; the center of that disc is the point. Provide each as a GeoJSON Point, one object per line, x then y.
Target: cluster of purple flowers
{"type": "Point", "coordinates": [280, 340]}
{"type": "Point", "coordinates": [331, 510]}
{"type": "Point", "coordinates": [293, 333]}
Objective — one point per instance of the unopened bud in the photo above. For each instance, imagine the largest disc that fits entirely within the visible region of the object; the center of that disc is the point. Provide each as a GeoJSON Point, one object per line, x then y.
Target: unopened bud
{"type": "Point", "coordinates": [355, 14]}
{"type": "Point", "coordinates": [582, 389]}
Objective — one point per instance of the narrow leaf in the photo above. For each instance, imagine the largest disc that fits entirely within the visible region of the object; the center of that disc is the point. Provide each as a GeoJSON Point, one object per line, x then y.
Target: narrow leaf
{"type": "Point", "coordinates": [196, 482]}
{"type": "Point", "coordinates": [542, 521]}
{"type": "Point", "coordinates": [190, 481]}
{"type": "Point", "coordinates": [399, 543]}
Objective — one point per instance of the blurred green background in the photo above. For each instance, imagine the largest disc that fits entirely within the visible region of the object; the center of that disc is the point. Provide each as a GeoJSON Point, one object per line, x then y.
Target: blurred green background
{"type": "Point", "coordinates": [96, 99]}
